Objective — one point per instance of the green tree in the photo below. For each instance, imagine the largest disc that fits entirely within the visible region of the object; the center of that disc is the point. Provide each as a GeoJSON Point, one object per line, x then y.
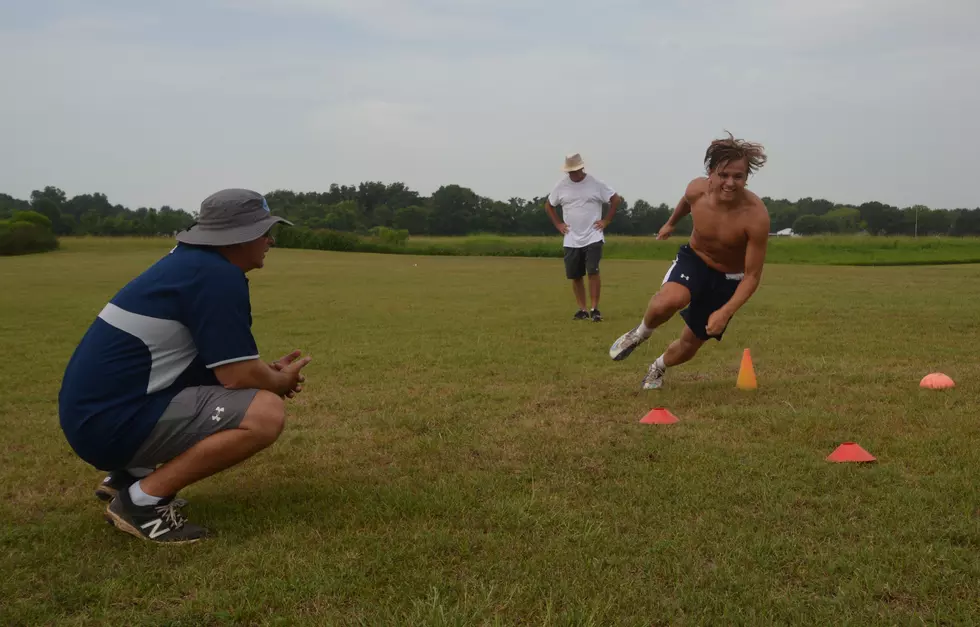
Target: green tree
{"type": "Point", "coordinates": [808, 225]}
{"type": "Point", "coordinates": [414, 219]}
{"type": "Point", "coordinates": [881, 219]}
{"type": "Point", "coordinates": [53, 194]}
{"type": "Point", "coordinates": [842, 220]}
{"type": "Point", "coordinates": [9, 204]}
{"type": "Point", "coordinates": [343, 216]}
{"type": "Point", "coordinates": [966, 222]}
{"type": "Point", "coordinates": [454, 210]}
{"type": "Point", "coordinates": [46, 207]}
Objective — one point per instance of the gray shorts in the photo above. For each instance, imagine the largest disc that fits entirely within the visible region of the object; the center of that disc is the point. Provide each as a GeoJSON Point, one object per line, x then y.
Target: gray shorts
{"type": "Point", "coordinates": [194, 414]}
{"type": "Point", "coordinates": [582, 261]}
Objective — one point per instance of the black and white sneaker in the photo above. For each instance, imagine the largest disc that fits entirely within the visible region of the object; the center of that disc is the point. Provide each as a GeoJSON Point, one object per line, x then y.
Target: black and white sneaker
{"type": "Point", "coordinates": [114, 482]}
{"type": "Point", "coordinates": [596, 316]}
{"type": "Point", "coordinates": [161, 523]}
{"type": "Point", "coordinates": [581, 314]}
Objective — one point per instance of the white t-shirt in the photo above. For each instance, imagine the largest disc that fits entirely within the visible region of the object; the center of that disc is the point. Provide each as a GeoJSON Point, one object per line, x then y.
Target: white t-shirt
{"type": "Point", "coordinates": [581, 207]}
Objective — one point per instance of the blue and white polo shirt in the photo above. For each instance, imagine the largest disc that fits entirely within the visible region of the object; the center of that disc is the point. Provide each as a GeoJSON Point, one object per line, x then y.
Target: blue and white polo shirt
{"type": "Point", "coordinates": [163, 332]}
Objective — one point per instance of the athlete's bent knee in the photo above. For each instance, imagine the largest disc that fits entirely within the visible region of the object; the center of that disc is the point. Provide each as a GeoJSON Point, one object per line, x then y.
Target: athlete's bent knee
{"type": "Point", "coordinates": [266, 416]}
{"type": "Point", "coordinates": [691, 345]}
{"type": "Point", "coordinates": [689, 342]}
{"type": "Point", "coordinates": [671, 299]}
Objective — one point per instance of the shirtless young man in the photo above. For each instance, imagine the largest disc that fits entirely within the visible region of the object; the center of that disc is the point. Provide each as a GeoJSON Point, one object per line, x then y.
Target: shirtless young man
{"type": "Point", "coordinates": [717, 272]}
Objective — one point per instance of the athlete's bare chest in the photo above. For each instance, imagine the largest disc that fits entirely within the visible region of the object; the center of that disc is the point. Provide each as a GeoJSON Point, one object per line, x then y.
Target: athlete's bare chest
{"type": "Point", "coordinates": [719, 228]}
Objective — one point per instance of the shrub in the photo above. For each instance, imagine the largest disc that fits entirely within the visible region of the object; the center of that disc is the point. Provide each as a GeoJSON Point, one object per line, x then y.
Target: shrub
{"type": "Point", "coordinates": [389, 236]}
{"type": "Point", "coordinates": [33, 217]}
{"type": "Point", "coordinates": [319, 239]}
{"type": "Point", "coordinates": [19, 237]}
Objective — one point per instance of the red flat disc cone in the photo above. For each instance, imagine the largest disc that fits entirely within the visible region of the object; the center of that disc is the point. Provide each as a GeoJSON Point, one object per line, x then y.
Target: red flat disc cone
{"type": "Point", "coordinates": [659, 416]}
{"type": "Point", "coordinates": [850, 452]}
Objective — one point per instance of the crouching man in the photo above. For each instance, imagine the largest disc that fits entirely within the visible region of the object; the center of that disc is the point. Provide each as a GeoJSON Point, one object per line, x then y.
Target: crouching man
{"type": "Point", "coordinates": [166, 387]}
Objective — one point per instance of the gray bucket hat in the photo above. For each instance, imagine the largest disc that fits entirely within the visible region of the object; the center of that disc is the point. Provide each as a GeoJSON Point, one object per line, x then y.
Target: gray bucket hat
{"type": "Point", "coordinates": [231, 216]}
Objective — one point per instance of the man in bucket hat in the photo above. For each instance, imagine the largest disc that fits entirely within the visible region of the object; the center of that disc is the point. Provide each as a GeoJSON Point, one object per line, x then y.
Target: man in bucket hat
{"type": "Point", "coordinates": [166, 387]}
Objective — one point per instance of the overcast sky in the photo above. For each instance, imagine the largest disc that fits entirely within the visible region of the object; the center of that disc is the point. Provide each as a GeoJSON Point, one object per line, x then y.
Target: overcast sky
{"type": "Point", "coordinates": [164, 103]}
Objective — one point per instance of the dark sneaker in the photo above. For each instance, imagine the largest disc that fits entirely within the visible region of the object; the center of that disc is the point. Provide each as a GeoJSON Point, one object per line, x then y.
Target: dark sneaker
{"type": "Point", "coordinates": [114, 482]}
{"type": "Point", "coordinates": [596, 316]}
{"type": "Point", "coordinates": [161, 523]}
{"type": "Point", "coordinates": [581, 314]}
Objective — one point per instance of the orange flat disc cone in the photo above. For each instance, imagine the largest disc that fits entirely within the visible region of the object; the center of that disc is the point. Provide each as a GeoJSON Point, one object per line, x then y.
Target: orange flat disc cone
{"type": "Point", "coordinates": [850, 452]}
{"type": "Point", "coordinates": [936, 381]}
{"type": "Point", "coordinates": [659, 416]}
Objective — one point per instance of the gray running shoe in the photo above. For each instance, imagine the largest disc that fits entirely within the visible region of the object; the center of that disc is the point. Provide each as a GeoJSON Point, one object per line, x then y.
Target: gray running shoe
{"type": "Point", "coordinates": [654, 379]}
{"type": "Point", "coordinates": [625, 345]}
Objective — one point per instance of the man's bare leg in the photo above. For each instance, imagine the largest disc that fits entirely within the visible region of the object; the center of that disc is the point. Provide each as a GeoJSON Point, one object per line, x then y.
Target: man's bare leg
{"type": "Point", "coordinates": [595, 286]}
{"type": "Point", "coordinates": [683, 349]}
{"type": "Point", "coordinates": [148, 509]}
{"type": "Point", "coordinates": [578, 288]}
{"type": "Point", "coordinates": [680, 351]}
{"type": "Point", "coordinates": [261, 426]}
{"type": "Point", "coordinates": [671, 298]}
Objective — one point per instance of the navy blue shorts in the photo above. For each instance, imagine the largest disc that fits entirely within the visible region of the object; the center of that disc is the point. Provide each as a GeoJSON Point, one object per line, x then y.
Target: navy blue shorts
{"type": "Point", "coordinates": [710, 289]}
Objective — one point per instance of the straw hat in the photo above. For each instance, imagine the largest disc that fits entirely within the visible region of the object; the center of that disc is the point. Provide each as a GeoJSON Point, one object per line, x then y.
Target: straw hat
{"type": "Point", "coordinates": [573, 162]}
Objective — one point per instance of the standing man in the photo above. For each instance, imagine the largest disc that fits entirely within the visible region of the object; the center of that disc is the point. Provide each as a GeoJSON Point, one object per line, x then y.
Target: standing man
{"type": "Point", "coordinates": [169, 373]}
{"type": "Point", "coordinates": [581, 197]}
{"type": "Point", "coordinates": [721, 267]}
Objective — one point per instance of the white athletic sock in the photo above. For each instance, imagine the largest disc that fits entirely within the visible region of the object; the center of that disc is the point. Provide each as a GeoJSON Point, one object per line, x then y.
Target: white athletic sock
{"type": "Point", "coordinates": [140, 497]}
{"type": "Point", "coordinates": [661, 366]}
{"type": "Point", "coordinates": [644, 330]}
{"type": "Point", "coordinates": [139, 473]}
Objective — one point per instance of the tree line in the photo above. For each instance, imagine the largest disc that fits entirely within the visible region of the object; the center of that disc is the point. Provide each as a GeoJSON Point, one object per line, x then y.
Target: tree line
{"type": "Point", "coordinates": [457, 210]}
{"type": "Point", "coordinates": [93, 214]}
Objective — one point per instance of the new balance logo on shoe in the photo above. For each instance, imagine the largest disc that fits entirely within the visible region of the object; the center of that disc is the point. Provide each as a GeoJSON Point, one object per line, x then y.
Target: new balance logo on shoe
{"type": "Point", "coordinates": [162, 522]}
{"type": "Point", "coordinates": [156, 532]}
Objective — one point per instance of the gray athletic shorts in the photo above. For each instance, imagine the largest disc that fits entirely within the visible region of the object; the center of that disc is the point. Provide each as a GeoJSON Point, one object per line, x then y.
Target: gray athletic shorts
{"type": "Point", "coordinates": [582, 261]}
{"type": "Point", "coordinates": [194, 414]}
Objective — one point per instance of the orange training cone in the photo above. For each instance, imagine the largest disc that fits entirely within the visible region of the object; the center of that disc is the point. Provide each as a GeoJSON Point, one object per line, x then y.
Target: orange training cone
{"type": "Point", "coordinates": [746, 373]}
{"type": "Point", "coordinates": [659, 416]}
{"type": "Point", "coordinates": [850, 452]}
{"type": "Point", "coordinates": [936, 381]}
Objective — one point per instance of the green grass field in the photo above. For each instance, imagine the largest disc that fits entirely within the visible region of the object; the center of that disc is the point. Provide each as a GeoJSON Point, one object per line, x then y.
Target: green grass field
{"type": "Point", "coordinates": [466, 454]}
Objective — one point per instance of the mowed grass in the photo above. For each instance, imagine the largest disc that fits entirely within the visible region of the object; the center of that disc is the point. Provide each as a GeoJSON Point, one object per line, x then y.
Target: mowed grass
{"type": "Point", "coordinates": [466, 454]}
{"type": "Point", "coordinates": [818, 250]}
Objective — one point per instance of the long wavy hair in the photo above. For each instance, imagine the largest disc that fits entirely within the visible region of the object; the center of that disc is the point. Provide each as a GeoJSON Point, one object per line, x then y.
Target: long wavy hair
{"type": "Point", "coordinates": [722, 151]}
